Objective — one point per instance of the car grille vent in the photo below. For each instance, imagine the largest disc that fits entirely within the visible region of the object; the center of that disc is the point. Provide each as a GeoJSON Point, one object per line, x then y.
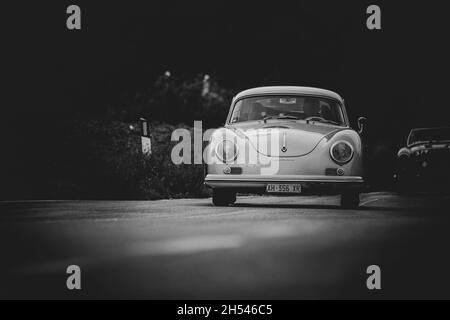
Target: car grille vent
{"type": "Point", "coordinates": [331, 172]}
{"type": "Point", "coordinates": [236, 170]}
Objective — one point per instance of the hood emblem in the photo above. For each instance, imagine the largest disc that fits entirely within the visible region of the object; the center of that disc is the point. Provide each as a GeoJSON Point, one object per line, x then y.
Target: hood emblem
{"type": "Point", "coordinates": [284, 149]}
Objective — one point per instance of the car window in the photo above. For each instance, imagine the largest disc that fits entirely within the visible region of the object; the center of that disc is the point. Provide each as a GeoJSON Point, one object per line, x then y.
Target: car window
{"type": "Point", "coordinates": [298, 107]}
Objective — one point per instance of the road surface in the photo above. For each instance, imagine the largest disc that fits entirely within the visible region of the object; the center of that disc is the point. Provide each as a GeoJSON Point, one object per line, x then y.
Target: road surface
{"type": "Point", "coordinates": [261, 248]}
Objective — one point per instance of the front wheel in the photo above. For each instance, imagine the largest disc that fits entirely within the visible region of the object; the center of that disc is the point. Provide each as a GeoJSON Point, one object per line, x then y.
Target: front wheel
{"type": "Point", "coordinates": [223, 197]}
{"type": "Point", "coordinates": [350, 200]}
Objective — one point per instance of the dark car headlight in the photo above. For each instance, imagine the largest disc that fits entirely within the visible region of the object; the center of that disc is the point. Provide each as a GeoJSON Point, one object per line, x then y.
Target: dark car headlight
{"type": "Point", "coordinates": [227, 151]}
{"type": "Point", "coordinates": [341, 152]}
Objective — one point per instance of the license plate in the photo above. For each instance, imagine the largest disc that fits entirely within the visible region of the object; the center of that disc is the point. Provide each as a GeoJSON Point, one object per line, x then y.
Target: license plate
{"type": "Point", "coordinates": [284, 188]}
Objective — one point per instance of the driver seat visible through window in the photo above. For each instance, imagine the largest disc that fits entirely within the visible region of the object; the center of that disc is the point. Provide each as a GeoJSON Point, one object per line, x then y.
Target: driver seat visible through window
{"type": "Point", "coordinates": [311, 108]}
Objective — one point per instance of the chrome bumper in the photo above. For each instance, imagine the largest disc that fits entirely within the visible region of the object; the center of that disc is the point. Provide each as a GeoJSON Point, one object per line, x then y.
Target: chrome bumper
{"type": "Point", "coordinates": [260, 181]}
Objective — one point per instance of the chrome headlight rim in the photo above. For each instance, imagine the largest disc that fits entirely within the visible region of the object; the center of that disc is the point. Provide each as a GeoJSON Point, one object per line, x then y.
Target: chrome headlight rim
{"type": "Point", "coordinates": [340, 162]}
{"type": "Point", "coordinates": [220, 154]}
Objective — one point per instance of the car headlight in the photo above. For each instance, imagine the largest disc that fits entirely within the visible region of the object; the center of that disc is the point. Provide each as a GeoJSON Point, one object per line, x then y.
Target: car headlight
{"type": "Point", "coordinates": [341, 152]}
{"type": "Point", "coordinates": [227, 151]}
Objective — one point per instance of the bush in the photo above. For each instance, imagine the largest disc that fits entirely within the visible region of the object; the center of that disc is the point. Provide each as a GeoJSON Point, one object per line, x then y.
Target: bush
{"type": "Point", "coordinates": [175, 101]}
{"type": "Point", "coordinates": [75, 156]}
{"type": "Point", "coordinates": [93, 159]}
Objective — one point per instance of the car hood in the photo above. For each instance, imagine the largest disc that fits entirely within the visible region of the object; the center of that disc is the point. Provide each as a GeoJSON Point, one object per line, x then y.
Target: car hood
{"type": "Point", "coordinates": [285, 139]}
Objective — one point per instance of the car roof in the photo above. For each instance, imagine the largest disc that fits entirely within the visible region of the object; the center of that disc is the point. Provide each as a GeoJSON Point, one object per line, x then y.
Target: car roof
{"type": "Point", "coordinates": [287, 90]}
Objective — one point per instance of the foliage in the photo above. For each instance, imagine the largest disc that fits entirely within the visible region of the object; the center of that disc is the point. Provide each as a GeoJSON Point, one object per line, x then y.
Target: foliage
{"type": "Point", "coordinates": [175, 101]}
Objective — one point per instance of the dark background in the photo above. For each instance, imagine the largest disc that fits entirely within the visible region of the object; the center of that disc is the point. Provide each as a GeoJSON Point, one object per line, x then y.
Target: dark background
{"type": "Point", "coordinates": [107, 74]}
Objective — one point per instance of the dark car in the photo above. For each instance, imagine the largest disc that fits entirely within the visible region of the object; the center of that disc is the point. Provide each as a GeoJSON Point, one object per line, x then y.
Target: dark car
{"type": "Point", "coordinates": [425, 161]}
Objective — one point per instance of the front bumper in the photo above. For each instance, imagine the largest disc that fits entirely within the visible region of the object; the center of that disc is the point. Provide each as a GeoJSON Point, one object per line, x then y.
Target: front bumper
{"type": "Point", "coordinates": [311, 184]}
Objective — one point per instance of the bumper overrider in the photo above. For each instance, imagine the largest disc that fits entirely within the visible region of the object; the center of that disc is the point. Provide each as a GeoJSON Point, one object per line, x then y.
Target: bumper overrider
{"type": "Point", "coordinates": [309, 183]}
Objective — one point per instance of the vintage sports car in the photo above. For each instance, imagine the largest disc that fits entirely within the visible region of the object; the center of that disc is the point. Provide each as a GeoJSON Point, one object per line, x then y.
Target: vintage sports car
{"type": "Point", "coordinates": [424, 162]}
{"type": "Point", "coordinates": [286, 140]}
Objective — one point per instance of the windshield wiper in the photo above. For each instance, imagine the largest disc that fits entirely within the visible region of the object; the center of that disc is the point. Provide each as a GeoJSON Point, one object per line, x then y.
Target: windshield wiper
{"type": "Point", "coordinates": [280, 117]}
{"type": "Point", "coordinates": [329, 121]}
{"type": "Point", "coordinates": [321, 120]}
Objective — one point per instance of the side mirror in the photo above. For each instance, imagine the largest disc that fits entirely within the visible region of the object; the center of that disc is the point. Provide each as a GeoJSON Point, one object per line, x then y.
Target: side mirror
{"type": "Point", "coordinates": [361, 123]}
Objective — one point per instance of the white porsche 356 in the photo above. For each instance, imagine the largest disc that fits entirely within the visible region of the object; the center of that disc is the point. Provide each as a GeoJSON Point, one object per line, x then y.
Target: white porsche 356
{"type": "Point", "coordinates": [286, 140]}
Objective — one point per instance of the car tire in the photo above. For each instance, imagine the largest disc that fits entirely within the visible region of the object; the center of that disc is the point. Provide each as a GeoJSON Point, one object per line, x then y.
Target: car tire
{"type": "Point", "coordinates": [350, 200]}
{"type": "Point", "coordinates": [223, 197]}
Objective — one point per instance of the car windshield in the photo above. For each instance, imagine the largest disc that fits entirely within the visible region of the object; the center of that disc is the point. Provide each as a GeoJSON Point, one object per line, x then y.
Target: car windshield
{"type": "Point", "coordinates": [429, 135]}
{"type": "Point", "coordinates": [316, 109]}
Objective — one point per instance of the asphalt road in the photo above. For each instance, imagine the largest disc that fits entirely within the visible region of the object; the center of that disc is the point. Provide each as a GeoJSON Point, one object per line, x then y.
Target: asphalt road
{"type": "Point", "coordinates": [260, 248]}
